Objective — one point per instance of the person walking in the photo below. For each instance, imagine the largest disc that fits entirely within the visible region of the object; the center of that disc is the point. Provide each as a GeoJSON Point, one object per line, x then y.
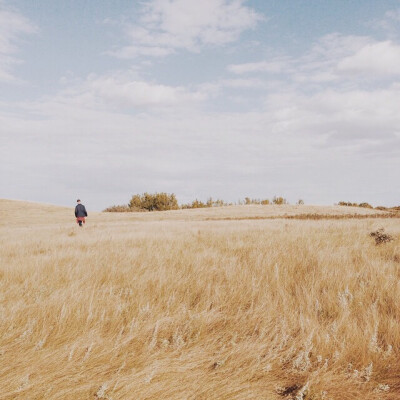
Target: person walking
{"type": "Point", "coordinates": [80, 213]}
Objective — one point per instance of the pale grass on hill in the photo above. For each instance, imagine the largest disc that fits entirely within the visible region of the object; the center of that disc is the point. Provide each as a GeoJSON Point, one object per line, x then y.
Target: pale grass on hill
{"type": "Point", "coordinates": [170, 306]}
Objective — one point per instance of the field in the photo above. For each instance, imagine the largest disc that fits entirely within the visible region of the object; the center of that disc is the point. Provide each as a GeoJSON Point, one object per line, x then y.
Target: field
{"type": "Point", "coordinates": [222, 303]}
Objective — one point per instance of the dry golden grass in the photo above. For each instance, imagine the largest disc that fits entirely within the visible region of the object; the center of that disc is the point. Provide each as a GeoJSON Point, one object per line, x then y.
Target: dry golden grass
{"type": "Point", "coordinates": [174, 306]}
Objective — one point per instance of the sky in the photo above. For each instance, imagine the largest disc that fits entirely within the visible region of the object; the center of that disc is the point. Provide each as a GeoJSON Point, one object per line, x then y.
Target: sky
{"type": "Point", "coordinates": [101, 99]}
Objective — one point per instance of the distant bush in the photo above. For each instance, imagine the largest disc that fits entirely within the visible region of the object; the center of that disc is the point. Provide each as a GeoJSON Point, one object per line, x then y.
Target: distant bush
{"type": "Point", "coordinates": [248, 201]}
{"type": "Point", "coordinates": [153, 202]}
{"type": "Point", "coordinates": [300, 202]}
{"type": "Point", "coordinates": [120, 208]}
{"type": "Point", "coordinates": [196, 204]}
{"type": "Point", "coordinates": [349, 204]}
{"type": "Point", "coordinates": [164, 201]}
{"type": "Point", "coordinates": [365, 205]}
{"type": "Point", "coordinates": [199, 204]}
{"type": "Point", "coordinates": [279, 200]}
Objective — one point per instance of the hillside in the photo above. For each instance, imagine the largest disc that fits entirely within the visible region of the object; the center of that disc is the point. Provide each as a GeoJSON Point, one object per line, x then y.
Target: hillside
{"type": "Point", "coordinates": [198, 304]}
{"type": "Point", "coordinates": [28, 213]}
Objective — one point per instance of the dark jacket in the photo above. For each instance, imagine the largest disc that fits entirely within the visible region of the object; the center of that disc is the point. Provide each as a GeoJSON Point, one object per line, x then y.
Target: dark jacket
{"type": "Point", "coordinates": [80, 211]}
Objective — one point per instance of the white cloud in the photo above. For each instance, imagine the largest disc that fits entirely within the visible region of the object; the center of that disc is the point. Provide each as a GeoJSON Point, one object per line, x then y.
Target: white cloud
{"type": "Point", "coordinates": [333, 58]}
{"type": "Point", "coordinates": [135, 93]}
{"type": "Point", "coordinates": [13, 26]}
{"type": "Point", "coordinates": [168, 25]}
{"type": "Point", "coordinates": [389, 23]}
{"type": "Point", "coordinates": [380, 58]}
{"type": "Point", "coordinates": [122, 91]}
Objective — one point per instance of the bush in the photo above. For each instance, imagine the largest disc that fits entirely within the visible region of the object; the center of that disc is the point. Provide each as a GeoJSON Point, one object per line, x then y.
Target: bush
{"type": "Point", "coordinates": [154, 202]}
{"type": "Point", "coordinates": [196, 204]}
{"type": "Point", "coordinates": [349, 204]}
{"type": "Point", "coordinates": [381, 237]}
{"type": "Point", "coordinates": [279, 200]}
{"type": "Point", "coordinates": [199, 204]}
{"type": "Point", "coordinates": [365, 205]}
{"type": "Point", "coordinates": [248, 201]}
{"type": "Point", "coordinates": [119, 208]}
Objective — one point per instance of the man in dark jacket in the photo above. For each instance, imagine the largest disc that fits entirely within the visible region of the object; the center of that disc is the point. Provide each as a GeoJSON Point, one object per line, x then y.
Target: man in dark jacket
{"type": "Point", "coordinates": [80, 213]}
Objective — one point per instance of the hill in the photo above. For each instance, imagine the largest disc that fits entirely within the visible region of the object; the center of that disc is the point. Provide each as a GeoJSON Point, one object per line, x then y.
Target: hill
{"type": "Point", "coordinates": [28, 213]}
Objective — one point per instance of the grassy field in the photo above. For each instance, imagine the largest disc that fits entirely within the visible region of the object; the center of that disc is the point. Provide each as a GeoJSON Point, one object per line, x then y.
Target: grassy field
{"type": "Point", "coordinates": [224, 303]}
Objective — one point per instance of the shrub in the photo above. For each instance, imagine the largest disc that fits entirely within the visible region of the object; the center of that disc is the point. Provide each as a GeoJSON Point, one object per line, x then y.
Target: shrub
{"type": "Point", "coordinates": [199, 204]}
{"type": "Point", "coordinates": [300, 202]}
{"type": "Point", "coordinates": [347, 203]}
{"type": "Point", "coordinates": [196, 204]}
{"type": "Point", "coordinates": [154, 202]}
{"type": "Point", "coordinates": [248, 200]}
{"type": "Point", "coordinates": [365, 205]}
{"type": "Point", "coordinates": [119, 208]}
{"type": "Point", "coordinates": [279, 200]}
{"type": "Point", "coordinates": [219, 203]}
{"type": "Point", "coordinates": [381, 237]}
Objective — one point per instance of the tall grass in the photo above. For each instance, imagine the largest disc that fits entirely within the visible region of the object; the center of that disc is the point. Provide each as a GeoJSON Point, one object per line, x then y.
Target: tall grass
{"type": "Point", "coordinates": [194, 309]}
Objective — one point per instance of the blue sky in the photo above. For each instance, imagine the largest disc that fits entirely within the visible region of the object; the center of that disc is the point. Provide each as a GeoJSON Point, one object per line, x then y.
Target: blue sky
{"type": "Point", "coordinates": [223, 98]}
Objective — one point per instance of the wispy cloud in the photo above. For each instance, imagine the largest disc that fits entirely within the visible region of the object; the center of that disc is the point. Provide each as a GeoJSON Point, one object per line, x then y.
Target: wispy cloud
{"type": "Point", "coordinates": [13, 27]}
{"type": "Point", "coordinates": [376, 59]}
{"type": "Point", "coordinates": [333, 58]}
{"type": "Point", "coordinates": [274, 66]}
{"type": "Point", "coordinates": [166, 26]}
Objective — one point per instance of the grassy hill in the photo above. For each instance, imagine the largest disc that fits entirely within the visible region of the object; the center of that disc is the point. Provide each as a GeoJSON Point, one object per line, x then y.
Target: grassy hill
{"type": "Point", "coordinates": [221, 303]}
